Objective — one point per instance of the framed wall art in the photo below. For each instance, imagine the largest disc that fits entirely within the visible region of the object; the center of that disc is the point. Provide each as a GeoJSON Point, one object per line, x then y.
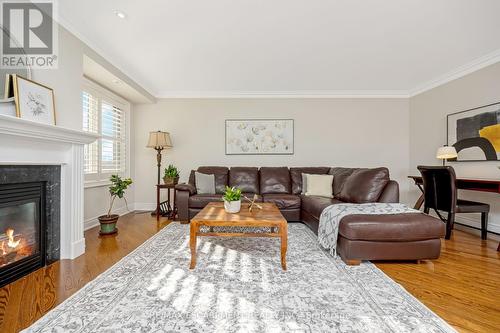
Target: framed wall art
{"type": "Point", "coordinates": [34, 101]}
{"type": "Point", "coordinates": [259, 137]}
{"type": "Point", "coordinates": [475, 133]}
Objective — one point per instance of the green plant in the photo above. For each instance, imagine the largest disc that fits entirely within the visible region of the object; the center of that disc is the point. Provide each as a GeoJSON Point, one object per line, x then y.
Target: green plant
{"type": "Point", "coordinates": [171, 171]}
{"type": "Point", "coordinates": [232, 194]}
{"type": "Point", "coordinates": [117, 189]}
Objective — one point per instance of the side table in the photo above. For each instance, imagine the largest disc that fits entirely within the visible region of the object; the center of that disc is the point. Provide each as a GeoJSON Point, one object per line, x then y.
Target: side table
{"type": "Point", "coordinates": [165, 208]}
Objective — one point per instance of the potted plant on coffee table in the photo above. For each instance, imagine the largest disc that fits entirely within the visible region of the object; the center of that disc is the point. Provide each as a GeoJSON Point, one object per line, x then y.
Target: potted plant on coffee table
{"type": "Point", "coordinates": [171, 176]}
{"type": "Point", "coordinates": [232, 199]}
{"type": "Point", "coordinates": [116, 190]}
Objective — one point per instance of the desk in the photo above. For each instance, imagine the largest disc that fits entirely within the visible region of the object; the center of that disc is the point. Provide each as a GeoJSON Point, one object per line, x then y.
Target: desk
{"type": "Point", "coordinates": [482, 185]}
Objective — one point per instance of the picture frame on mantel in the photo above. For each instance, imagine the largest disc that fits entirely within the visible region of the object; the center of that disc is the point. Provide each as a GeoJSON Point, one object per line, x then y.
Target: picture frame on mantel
{"type": "Point", "coordinates": [34, 101]}
{"type": "Point", "coordinates": [475, 133]}
{"type": "Point", "coordinates": [259, 136]}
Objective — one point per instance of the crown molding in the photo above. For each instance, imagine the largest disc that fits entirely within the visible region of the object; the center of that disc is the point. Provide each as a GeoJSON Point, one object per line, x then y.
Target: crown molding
{"type": "Point", "coordinates": [471, 67]}
{"type": "Point", "coordinates": [286, 94]}
{"type": "Point", "coordinates": [68, 26]}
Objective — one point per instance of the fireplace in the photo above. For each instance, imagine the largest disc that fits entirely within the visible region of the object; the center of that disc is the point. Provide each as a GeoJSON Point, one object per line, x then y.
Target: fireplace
{"type": "Point", "coordinates": [22, 225]}
{"type": "Point", "coordinates": [29, 219]}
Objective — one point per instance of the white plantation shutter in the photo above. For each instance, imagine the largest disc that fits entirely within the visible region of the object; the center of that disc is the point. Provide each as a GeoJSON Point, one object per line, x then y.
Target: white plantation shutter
{"type": "Point", "coordinates": [90, 106]}
{"type": "Point", "coordinates": [103, 114]}
{"type": "Point", "coordinates": [113, 139]}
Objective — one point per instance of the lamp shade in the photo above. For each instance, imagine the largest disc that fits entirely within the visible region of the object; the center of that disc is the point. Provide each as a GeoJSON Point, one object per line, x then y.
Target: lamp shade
{"type": "Point", "coordinates": [446, 152]}
{"type": "Point", "coordinates": [159, 139]}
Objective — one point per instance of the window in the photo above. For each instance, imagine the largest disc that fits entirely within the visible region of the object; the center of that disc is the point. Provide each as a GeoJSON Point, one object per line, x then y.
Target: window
{"type": "Point", "coordinates": [106, 115]}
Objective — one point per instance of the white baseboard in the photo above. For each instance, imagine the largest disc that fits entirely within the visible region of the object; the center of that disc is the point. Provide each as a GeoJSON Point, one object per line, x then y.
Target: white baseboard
{"type": "Point", "coordinates": [145, 206]}
{"type": "Point", "coordinates": [93, 222]}
{"type": "Point", "coordinates": [475, 221]}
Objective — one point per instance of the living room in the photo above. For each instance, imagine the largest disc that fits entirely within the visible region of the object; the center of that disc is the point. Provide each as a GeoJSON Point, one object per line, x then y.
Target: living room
{"type": "Point", "coordinates": [250, 166]}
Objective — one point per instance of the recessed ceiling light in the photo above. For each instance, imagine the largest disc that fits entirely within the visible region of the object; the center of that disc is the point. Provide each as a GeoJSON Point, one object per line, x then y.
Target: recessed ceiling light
{"type": "Point", "coordinates": [120, 14]}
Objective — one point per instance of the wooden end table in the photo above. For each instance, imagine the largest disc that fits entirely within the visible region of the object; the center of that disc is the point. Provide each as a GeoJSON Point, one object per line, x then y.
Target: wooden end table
{"type": "Point", "coordinates": [171, 209]}
{"type": "Point", "coordinates": [214, 215]}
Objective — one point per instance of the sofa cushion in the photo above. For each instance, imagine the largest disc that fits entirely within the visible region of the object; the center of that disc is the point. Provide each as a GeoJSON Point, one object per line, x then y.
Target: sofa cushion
{"type": "Point", "coordinates": [392, 227]}
{"type": "Point", "coordinates": [283, 201]}
{"type": "Point", "coordinates": [244, 178]}
{"type": "Point", "coordinates": [364, 185]}
{"type": "Point", "coordinates": [315, 205]}
{"type": "Point", "coordinates": [339, 177]}
{"type": "Point", "coordinates": [221, 176]}
{"type": "Point", "coordinates": [275, 180]}
{"type": "Point", "coordinates": [296, 176]}
{"type": "Point", "coordinates": [201, 200]}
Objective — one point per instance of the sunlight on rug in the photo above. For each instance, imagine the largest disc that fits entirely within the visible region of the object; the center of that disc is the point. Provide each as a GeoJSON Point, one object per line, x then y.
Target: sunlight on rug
{"type": "Point", "coordinates": [238, 286]}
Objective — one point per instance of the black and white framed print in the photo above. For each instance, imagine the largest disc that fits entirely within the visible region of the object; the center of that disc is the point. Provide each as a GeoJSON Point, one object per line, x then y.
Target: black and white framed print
{"type": "Point", "coordinates": [475, 133]}
{"type": "Point", "coordinates": [259, 137]}
{"type": "Point", "coordinates": [34, 101]}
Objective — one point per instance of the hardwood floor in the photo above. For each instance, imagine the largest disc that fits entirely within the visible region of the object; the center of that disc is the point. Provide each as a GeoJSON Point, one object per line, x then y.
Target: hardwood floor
{"type": "Point", "coordinates": [463, 286]}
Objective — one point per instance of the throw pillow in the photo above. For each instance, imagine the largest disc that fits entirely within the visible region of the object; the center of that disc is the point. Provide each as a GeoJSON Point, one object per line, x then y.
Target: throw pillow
{"type": "Point", "coordinates": [205, 184]}
{"type": "Point", "coordinates": [319, 185]}
{"type": "Point", "coordinates": [304, 183]}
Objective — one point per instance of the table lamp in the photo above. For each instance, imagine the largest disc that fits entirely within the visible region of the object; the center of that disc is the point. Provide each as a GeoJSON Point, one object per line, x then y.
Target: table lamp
{"type": "Point", "coordinates": [159, 140]}
{"type": "Point", "coordinates": [446, 152]}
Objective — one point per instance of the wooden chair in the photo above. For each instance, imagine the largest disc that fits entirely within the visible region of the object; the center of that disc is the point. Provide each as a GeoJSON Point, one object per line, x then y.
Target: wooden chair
{"type": "Point", "coordinates": [440, 194]}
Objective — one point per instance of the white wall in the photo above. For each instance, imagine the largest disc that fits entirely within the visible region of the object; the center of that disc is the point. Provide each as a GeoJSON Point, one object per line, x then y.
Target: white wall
{"type": "Point", "coordinates": [428, 131]}
{"type": "Point", "coordinates": [328, 132]}
{"type": "Point", "coordinates": [67, 84]}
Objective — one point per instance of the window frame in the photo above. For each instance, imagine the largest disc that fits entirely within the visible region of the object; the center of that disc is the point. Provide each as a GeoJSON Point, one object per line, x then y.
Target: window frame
{"type": "Point", "coordinates": [104, 95]}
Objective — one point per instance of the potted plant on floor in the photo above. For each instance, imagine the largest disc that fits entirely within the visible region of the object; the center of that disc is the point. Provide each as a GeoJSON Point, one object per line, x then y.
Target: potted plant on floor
{"type": "Point", "coordinates": [171, 176]}
{"type": "Point", "coordinates": [232, 199]}
{"type": "Point", "coordinates": [116, 190]}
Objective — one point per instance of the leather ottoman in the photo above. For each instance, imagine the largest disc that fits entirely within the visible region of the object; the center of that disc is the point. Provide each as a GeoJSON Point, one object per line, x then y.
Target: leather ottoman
{"type": "Point", "coordinates": [405, 236]}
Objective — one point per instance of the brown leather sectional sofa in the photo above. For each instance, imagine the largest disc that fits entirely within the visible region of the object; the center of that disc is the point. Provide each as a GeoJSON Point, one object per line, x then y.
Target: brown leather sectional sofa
{"type": "Point", "coordinates": [367, 237]}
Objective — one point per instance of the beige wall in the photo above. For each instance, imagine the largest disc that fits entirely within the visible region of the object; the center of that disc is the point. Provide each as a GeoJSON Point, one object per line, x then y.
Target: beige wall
{"type": "Point", "coordinates": [330, 132]}
{"type": "Point", "coordinates": [66, 81]}
{"type": "Point", "coordinates": [428, 131]}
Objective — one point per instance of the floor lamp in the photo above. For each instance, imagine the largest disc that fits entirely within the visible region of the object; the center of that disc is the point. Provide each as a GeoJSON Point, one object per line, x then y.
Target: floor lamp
{"type": "Point", "coordinates": [158, 141]}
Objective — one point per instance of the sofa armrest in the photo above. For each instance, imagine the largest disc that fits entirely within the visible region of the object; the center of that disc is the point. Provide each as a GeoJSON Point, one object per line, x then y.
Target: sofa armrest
{"type": "Point", "coordinates": [186, 187]}
{"type": "Point", "coordinates": [390, 194]}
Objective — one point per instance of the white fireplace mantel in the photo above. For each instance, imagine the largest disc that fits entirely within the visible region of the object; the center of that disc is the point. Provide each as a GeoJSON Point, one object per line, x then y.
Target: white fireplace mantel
{"type": "Point", "coordinates": [25, 142]}
{"type": "Point", "coordinates": [26, 128]}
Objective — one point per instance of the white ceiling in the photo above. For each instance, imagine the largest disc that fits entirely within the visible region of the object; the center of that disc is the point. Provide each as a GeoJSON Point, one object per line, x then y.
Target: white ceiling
{"type": "Point", "coordinates": [294, 47]}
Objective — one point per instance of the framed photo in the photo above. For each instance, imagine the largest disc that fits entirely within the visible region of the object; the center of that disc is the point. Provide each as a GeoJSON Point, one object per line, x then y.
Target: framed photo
{"type": "Point", "coordinates": [475, 133]}
{"type": "Point", "coordinates": [259, 137]}
{"type": "Point", "coordinates": [34, 101]}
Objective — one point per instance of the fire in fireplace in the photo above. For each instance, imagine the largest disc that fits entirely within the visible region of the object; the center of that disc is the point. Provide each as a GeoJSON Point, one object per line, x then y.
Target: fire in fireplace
{"type": "Point", "coordinates": [22, 241]}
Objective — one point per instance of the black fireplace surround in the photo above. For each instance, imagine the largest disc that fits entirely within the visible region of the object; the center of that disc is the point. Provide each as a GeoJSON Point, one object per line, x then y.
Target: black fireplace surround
{"type": "Point", "coordinates": [29, 219]}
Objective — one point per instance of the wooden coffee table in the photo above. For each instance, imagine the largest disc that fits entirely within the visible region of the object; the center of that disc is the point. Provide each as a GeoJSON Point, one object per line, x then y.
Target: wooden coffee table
{"type": "Point", "coordinates": [214, 215]}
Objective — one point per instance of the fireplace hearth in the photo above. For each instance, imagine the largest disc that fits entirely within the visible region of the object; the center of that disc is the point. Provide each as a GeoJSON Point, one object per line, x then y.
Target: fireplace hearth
{"type": "Point", "coordinates": [29, 219]}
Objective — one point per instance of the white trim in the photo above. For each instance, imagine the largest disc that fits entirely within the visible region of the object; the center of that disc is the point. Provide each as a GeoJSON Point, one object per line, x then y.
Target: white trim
{"type": "Point", "coordinates": [96, 183]}
{"type": "Point", "coordinates": [27, 128]}
{"type": "Point", "coordinates": [286, 94]}
{"type": "Point", "coordinates": [93, 222]}
{"type": "Point", "coordinates": [144, 206]}
{"type": "Point", "coordinates": [475, 221]}
{"type": "Point", "coordinates": [473, 66]}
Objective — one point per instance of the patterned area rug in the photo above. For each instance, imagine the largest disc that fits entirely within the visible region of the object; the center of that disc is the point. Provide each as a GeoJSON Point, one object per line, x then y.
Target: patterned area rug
{"type": "Point", "coordinates": [238, 286]}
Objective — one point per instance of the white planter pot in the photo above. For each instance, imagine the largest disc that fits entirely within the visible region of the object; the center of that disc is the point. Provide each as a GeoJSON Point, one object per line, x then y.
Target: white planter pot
{"type": "Point", "coordinates": [232, 206]}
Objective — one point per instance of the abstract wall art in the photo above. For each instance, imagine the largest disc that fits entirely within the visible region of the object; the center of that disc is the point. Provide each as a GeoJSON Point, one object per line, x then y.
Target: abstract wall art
{"type": "Point", "coordinates": [475, 133]}
{"type": "Point", "coordinates": [259, 137]}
